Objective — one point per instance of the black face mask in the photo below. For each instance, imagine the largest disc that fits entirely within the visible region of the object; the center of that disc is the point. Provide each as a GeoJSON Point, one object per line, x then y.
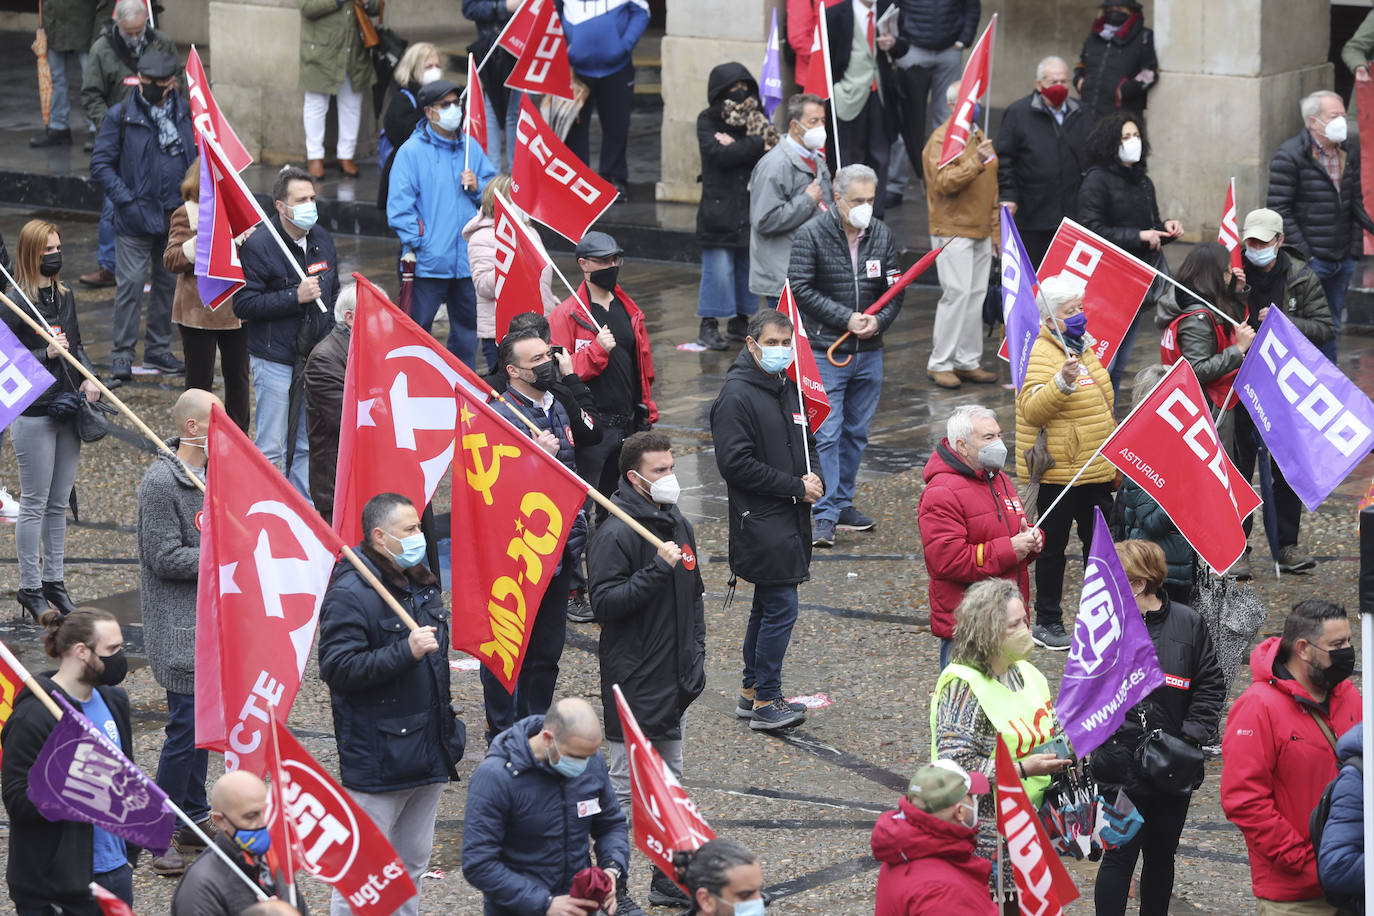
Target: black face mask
{"type": "Point", "coordinates": [1341, 667]}
{"type": "Point", "coordinates": [738, 95]}
{"type": "Point", "coordinates": [115, 670]}
{"type": "Point", "coordinates": [545, 375]}
{"type": "Point", "coordinates": [50, 264]}
{"type": "Point", "coordinates": [152, 93]}
{"type": "Point", "coordinates": [605, 277]}
{"type": "Point", "coordinates": [1117, 17]}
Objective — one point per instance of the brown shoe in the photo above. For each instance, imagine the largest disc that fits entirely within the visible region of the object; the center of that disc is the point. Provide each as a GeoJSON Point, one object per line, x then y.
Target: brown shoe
{"type": "Point", "coordinates": [945, 379]}
{"type": "Point", "coordinates": [169, 865]}
{"type": "Point", "coordinates": [348, 168]}
{"type": "Point", "coordinates": [977, 376]}
{"type": "Point", "coordinates": [315, 167]}
{"type": "Point", "coordinates": [101, 277]}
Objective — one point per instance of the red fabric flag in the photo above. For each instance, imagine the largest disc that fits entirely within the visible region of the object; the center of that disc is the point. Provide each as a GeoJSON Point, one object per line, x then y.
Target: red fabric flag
{"type": "Point", "coordinates": [1229, 234]}
{"type": "Point", "coordinates": [513, 507]}
{"type": "Point", "coordinates": [1169, 446]}
{"type": "Point", "coordinates": [519, 268]}
{"type": "Point", "coordinates": [208, 119]}
{"type": "Point", "coordinates": [232, 197]}
{"type": "Point", "coordinates": [396, 431]}
{"type": "Point", "coordinates": [265, 560]}
{"type": "Point", "coordinates": [328, 836]}
{"type": "Point", "coordinates": [972, 87]}
{"type": "Point", "coordinates": [550, 183]}
{"type": "Point", "coordinates": [666, 820]}
{"type": "Point", "coordinates": [517, 30]}
{"type": "Point", "coordinates": [812, 388]}
{"type": "Point", "coordinates": [475, 124]}
{"type": "Point", "coordinates": [817, 77]}
{"type": "Point", "coordinates": [543, 67]}
{"type": "Point", "coordinates": [110, 905]}
{"type": "Point", "coordinates": [11, 682]}
{"type": "Point", "coordinates": [1043, 886]}
{"type": "Point", "coordinates": [1117, 282]}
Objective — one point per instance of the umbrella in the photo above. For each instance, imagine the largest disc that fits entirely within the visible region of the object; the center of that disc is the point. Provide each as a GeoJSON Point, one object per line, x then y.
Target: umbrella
{"type": "Point", "coordinates": [1270, 509]}
{"type": "Point", "coordinates": [407, 293]}
{"type": "Point", "coordinates": [40, 50]}
{"type": "Point", "coordinates": [1038, 461]}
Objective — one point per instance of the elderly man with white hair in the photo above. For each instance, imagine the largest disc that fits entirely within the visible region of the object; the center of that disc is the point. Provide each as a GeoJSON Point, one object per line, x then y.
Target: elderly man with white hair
{"type": "Point", "coordinates": [1064, 409]}
{"type": "Point", "coordinates": [962, 201]}
{"type": "Point", "coordinates": [1314, 184]}
{"type": "Point", "coordinates": [971, 520]}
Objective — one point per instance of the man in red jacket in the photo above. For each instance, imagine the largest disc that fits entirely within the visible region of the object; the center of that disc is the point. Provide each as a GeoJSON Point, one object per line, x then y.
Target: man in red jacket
{"type": "Point", "coordinates": [1279, 750]}
{"type": "Point", "coordinates": [929, 867]}
{"type": "Point", "coordinates": [971, 520]}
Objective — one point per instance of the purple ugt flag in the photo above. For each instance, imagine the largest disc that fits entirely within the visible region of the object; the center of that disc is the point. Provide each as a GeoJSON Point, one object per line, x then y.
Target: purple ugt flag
{"type": "Point", "coordinates": [1316, 422]}
{"type": "Point", "coordinates": [22, 377]}
{"type": "Point", "coordinates": [771, 77]}
{"type": "Point", "coordinates": [80, 775]}
{"type": "Point", "coordinates": [1112, 665]}
{"type": "Point", "coordinates": [1020, 312]}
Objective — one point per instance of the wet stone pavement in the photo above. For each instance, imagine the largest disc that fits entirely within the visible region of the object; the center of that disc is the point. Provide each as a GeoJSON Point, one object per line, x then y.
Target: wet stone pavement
{"type": "Point", "coordinates": [805, 801]}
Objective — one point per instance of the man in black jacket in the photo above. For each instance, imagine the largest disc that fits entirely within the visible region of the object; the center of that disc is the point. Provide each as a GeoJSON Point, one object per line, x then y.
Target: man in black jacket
{"type": "Point", "coordinates": [653, 624]}
{"type": "Point", "coordinates": [764, 454]}
{"type": "Point", "coordinates": [324, 383]}
{"type": "Point", "coordinates": [398, 736]}
{"type": "Point", "coordinates": [936, 33]}
{"type": "Point", "coordinates": [842, 261]}
{"type": "Point", "coordinates": [1040, 145]}
{"type": "Point", "coordinates": [1314, 184]}
{"type": "Point", "coordinates": [282, 320]}
{"type": "Point", "coordinates": [1118, 66]}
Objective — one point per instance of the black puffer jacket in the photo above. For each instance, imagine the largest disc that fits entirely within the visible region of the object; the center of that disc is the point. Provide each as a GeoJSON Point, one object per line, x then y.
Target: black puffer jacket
{"type": "Point", "coordinates": [1042, 161]}
{"type": "Point", "coordinates": [827, 287]}
{"type": "Point", "coordinates": [1188, 705]}
{"type": "Point", "coordinates": [1117, 202]}
{"type": "Point", "coordinates": [653, 623]}
{"type": "Point", "coordinates": [936, 24]}
{"type": "Point", "coordinates": [723, 214]}
{"type": "Point", "coordinates": [1318, 220]}
{"type": "Point", "coordinates": [759, 454]}
{"type": "Point", "coordinates": [59, 310]}
{"type": "Point", "coordinates": [1106, 73]}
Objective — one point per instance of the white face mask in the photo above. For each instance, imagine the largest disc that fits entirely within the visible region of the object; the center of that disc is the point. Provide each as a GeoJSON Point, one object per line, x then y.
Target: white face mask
{"type": "Point", "coordinates": [972, 821]}
{"type": "Point", "coordinates": [1336, 129]}
{"type": "Point", "coordinates": [430, 75]}
{"type": "Point", "coordinates": [860, 216]}
{"type": "Point", "coordinates": [195, 441]}
{"type": "Point", "coordinates": [814, 138]}
{"type": "Point", "coordinates": [664, 491]}
{"type": "Point", "coordinates": [1129, 152]}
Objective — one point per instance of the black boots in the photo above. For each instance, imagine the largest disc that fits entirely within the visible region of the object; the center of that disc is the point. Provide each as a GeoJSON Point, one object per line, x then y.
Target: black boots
{"type": "Point", "coordinates": [51, 137]}
{"type": "Point", "coordinates": [709, 335]}
{"type": "Point", "coordinates": [736, 330]}
{"type": "Point", "coordinates": [663, 892]}
{"type": "Point", "coordinates": [624, 903]}
{"type": "Point", "coordinates": [32, 601]}
{"type": "Point", "coordinates": [56, 593]}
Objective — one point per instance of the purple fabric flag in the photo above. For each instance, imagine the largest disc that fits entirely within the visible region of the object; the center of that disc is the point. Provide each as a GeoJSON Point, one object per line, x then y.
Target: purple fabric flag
{"type": "Point", "coordinates": [80, 775]}
{"type": "Point", "coordinates": [770, 80]}
{"type": "Point", "coordinates": [1317, 423]}
{"type": "Point", "coordinates": [22, 377]}
{"type": "Point", "coordinates": [1112, 665]}
{"type": "Point", "coordinates": [213, 290]}
{"type": "Point", "coordinates": [1020, 312]}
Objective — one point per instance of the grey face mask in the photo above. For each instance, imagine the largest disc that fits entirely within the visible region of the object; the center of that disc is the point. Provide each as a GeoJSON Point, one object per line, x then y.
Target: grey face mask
{"type": "Point", "coordinates": [993, 456]}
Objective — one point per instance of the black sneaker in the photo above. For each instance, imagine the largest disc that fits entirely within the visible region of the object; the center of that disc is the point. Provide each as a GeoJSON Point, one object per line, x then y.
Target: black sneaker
{"type": "Point", "coordinates": [745, 708]}
{"type": "Point", "coordinates": [165, 362]}
{"type": "Point", "coordinates": [663, 892]}
{"type": "Point", "coordinates": [625, 904]}
{"type": "Point", "coordinates": [51, 137]}
{"type": "Point", "coordinates": [823, 533]}
{"type": "Point", "coordinates": [737, 329]}
{"type": "Point", "coordinates": [1293, 560]}
{"type": "Point", "coordinates": [709, 335]}
{"type": "Point", "coordinates": [777, 714]}
{"type": "Point", "coordinates": [579, 611]}
{"type": "Point", "coordinates": [852, 519]}
{"type": "Point", "coordinates": [1051, 636]}
{"type": "Point", "coordinates": [121, 369]}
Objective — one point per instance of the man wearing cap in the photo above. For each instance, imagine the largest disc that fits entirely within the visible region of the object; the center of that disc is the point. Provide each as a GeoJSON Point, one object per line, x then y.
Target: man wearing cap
{"type": "Point", "coordinates": [437, 178]}
{"type": "Point", "coordinates": [929, 867]}
{"type": "Point", "coordinates": [141, 155]}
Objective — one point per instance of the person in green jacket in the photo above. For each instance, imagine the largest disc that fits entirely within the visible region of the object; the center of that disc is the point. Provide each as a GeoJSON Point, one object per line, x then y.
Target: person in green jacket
{"type": "Point", "coordinates": [334, 62]}
{"type": "Point", "coordinates": [1356, 53]}
{"type": "Point", "coordinates": [70, 26]}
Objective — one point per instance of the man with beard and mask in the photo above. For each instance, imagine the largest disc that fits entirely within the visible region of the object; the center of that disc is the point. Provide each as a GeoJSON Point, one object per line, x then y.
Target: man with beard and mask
{"type": "Point", "coordinates": [653, 623]}
{"type": "Point", "coordinates": [972, 524]}
{"type": "Point", "coordinates": [841, 264]}
{"type": "Point", "coordinates": [238, 808]}
{"type": "Point", "coordinates": [51, 864]}
{"type": "Point", "coordinates": [142, 152]}
{"type": "Point", "coordinates": [1279, 745]}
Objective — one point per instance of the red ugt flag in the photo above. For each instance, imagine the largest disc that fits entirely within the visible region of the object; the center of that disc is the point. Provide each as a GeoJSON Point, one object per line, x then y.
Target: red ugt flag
{"type": "Point", "coordinates": [206, 117]}
{"type": "Point", "coordinates": [1229, 234]}
{"type": "Point", "coordinates": [519, 268]}
{"type": "Point", "coordinates": [812, 388]}
{"type": "Point", "coordinates": [1169, 447]}
{"type": "Point", "coordinates": [543, 66]}
{"type": "Point", "coordinates": [550, 183]}
{"type": "Point", "coordinates": [972, 87]}
{"type": "Point", "coordinates": [1042, 884]}
{"type": "Point", "coordinates": [517, 30]}
{"type": "Point", "coordinates": [475, 123]}
{"type": "Point", "coordinates": [265, 561]}
{"type": "Point", "coordinates": [666, 819]}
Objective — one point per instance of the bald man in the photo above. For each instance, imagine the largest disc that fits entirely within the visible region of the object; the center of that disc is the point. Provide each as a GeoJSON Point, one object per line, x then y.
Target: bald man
{"type": "Point", "coordinates": [534, 802]}
{"type": "Point", "coordinates": [169, 516]}
{"type": "Point", "coordinates": [238, 809]}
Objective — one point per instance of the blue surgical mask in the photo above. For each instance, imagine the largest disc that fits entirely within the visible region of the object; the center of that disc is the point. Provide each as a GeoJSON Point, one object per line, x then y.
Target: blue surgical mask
{"type": "Point", "coordinates": [412, 550]}
{"type": "Point", "coordinates": [1261, 257]}
{"type": "Point", "coordinates": [451, 118]}
{"type": "Point", "coordinates": [749, 907]}
{"type": "Point", "coordinates": [1075, 326]}
{"type": "Point", "coordinates": [568, 767]}
{"type": "Point", "coordinates": [304, 215]}
{"type": "Point", "coordinates": [775, 359]}
{"type": "Point", "coordinates": [254, 842]}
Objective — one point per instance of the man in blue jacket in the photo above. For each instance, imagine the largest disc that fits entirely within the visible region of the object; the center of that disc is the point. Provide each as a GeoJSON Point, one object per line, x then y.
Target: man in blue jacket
{"type": "Point", "coordinates": [398, 736]}
{"type": "Point", "coordinates": [602, 35]}
{"type": "Point", "coordinates": [141, 155]}
{"type": "Point", "coordinates": [437, 179]}
{"type": "Point", "coordinates": [534, 803]}
{"type": "Point", "coordinates": [1340, 858]}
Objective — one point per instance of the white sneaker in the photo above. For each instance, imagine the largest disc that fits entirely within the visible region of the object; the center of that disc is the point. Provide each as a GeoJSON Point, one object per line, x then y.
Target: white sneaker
{"type": "Point", "coordinates": [9, 506]}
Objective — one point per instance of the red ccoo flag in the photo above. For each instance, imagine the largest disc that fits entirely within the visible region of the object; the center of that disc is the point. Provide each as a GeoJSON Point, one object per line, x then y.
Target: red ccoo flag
{"type": "Point", "coordinates": [543, 67]}
{"type": "Point", "coordinates": [817, 80]}
{"type": "Point", "coordinates": [1229, 234]}
{"type": "Point", "coordinates": [550, 183]}
{"type": "Point", "coordinates": [208, 119]}
{"type": "Point", "coordinates": [475, 124]}
{"type": "Point", "coordinates": [972, 87]}
{"type": "Point", "coordinates": [516, 33]}
{"type": "Point", "coordinates": [1043, 886]}
{"type": "Point", "coordinates": [519, 268]}
{"type": "Point", "coordinates": [812, 388]}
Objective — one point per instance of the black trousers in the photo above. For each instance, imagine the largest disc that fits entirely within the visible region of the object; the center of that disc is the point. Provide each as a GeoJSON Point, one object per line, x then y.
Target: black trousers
{"type": "Point", "coordinates": [610, 97]}
{"type": "Point", "coordinates": [200, 345]}
{"type": "Point", "coordinates": [534, 688]}
{"type": "Point", "coordinates": [1076, 506]}
{"type": "Point", "coordinates": [1036, 242]}
{"type": "Point", "coordinates": [1287, 505]}
{"type": "Point", "coordinates": [865, 140]}
{"type": "Point", "coordinates": [1157, 840]}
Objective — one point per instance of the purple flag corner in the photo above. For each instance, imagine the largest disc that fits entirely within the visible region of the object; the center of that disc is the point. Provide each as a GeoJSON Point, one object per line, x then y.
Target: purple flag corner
{"type": "Point", "coordinates": [770, 79]}
{"type": "Point", "coordinates": [1112, 664]}
{"type": "Point", "coordinates": [80, 775]}
{"type": "Point", "coordinates": [213, 290]}
{"type": "Point", "coordinates": [22, 377]}
{"type": "Point", "coordinates": [1020, 310]}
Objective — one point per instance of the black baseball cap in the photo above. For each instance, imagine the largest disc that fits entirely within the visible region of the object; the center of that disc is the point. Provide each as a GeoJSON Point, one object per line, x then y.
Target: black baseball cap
{"type": "Point", "coordinates": [598, 245]}
{"type": "Point", "coordinates": [433, 92]}
{"type": "Point", "coordinates": [157, 64]}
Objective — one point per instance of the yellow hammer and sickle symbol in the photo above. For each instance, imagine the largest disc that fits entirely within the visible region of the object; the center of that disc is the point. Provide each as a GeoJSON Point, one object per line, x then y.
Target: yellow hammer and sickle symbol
{"type": "Point", "coordinates": [482, 476]}
{"type": "Point", "coordinates": [7, 692]}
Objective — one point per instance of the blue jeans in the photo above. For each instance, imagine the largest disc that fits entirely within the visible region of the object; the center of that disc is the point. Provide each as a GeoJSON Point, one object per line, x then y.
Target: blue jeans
{"type": "Point", "coordinates": [765, 640]}
{"type": "Point", "coordinates": [539, 674]}
{"type": "Point", "coordinates": [458, 294]}
{"type": "Point", "coordinates": [840, 442]}
{"type": "Point", "coordinates": [182, 768]}
{"type": "Point", "coordinates": [105, 237]}
{"type": "Point", "coordinates": [495, 134]}
{"type": "Point", "coordinates": [59, 117]}
{"type": "Point", "coordinates": [272, 396]}
{"type": "Point", "coordinates": [724, 289]}
{"type": "Point", "coordinates": [946, 649]}
{"type": "Point", "coordinates": [491, 351]}
{"type": "Point", "coordinates": [512, 119]}
{"type": "Point", "coordinates": [1335, 277]}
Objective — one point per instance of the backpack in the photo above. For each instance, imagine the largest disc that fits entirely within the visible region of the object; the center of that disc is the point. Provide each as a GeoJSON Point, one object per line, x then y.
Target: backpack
{"type": "Point", "coordinates": [1217, 390]}
{"type": "Point", "coordinates": [1316, 823]}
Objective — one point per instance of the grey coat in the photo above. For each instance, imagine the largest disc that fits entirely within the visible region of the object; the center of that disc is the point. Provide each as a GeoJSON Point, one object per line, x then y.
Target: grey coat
{"type": "Point", "coordinates": [169, 504]}
{"type": "Point", "coordinates": [778, 207]}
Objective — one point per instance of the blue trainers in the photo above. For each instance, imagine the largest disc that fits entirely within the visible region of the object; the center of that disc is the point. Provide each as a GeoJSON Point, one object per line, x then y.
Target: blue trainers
{"type": "Point", "coordinates": [777, 714]}
{"type": "Point", "coordinates": [823, 533]}
{"type": "Point", "coordinates": [745, 708]}
{"type": "Point", "coordinates": [852, 519]}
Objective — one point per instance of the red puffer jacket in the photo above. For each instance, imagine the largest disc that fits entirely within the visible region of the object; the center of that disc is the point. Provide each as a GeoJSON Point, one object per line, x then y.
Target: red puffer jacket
{"type": "Point", "coordinates": [1277, 762]}
{"type": "Point", "coordinates": [928, 866]}
{"type": "Point", "coordinates": [572, 330]}
{"type": "Point", "coordinates": [967, 519]}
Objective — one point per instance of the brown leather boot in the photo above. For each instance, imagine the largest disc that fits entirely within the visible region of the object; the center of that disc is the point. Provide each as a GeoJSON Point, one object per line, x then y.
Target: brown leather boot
{"type": "Point", "coordinates": [978, 376]}
{"type": "Point", "coordinates": [315, 167]}
{"type": "Point", "coordinates": [945, 379]}
{"type": "Point", "coordinates": [348, 168]}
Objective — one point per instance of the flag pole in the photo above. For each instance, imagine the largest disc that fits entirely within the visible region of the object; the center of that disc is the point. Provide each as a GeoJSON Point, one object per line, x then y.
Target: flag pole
{"type": "Point", "coordinates": [829, 81]}
{"type": "Point", "coordinates": [548, 259]}
{"type": "Point", "coordinates": [801, 405]}
{"type": "Point", "coordinates": [290, 874]}
{"type": "Point", "coordinates": [29, 680]}
{"type": "Point", "coordinates": [25, 296]}
{"type": "Point", "coordinates": [1168, 279]}
{"type": "Point", "coordinates": [1069, 486]}
{"type": "Point", "coordinates": [497, 43]}
{"type": "Point", "coordinates": [992, 46]}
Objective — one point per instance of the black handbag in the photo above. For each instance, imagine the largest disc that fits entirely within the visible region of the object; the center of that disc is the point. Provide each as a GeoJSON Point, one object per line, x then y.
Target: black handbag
{"type": "Point", "coordinates": [90, 420]}
{"type": "Point", "coordinates": [1166, 763]}
{"type": "Point", "coordinates": [992, 299]}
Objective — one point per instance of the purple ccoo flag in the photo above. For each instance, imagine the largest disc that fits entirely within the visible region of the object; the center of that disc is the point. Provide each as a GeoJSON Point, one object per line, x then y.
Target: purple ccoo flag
{"type": "Point", "coordinates": [1020, 311]}
{"type": "Point", "coordinates": [1317, 423]}
{"type": "Point", "coordinates": [79, 775]}
{"type": "Point", "coordinates": [1112, 665]}
{"type": "Point", "coordinates": [22, 377]}
{"type": "Point", "coordinates": [770, 79]}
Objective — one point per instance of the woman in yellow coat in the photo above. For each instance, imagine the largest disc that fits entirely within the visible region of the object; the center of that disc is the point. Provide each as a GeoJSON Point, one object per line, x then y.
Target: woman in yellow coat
{"type": "Point", "coordinates": [1068, 394]}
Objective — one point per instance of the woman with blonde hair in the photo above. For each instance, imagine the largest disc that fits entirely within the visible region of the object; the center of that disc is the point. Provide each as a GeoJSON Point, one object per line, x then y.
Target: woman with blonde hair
{"type": "Point", "coordinates": [45, 440]}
